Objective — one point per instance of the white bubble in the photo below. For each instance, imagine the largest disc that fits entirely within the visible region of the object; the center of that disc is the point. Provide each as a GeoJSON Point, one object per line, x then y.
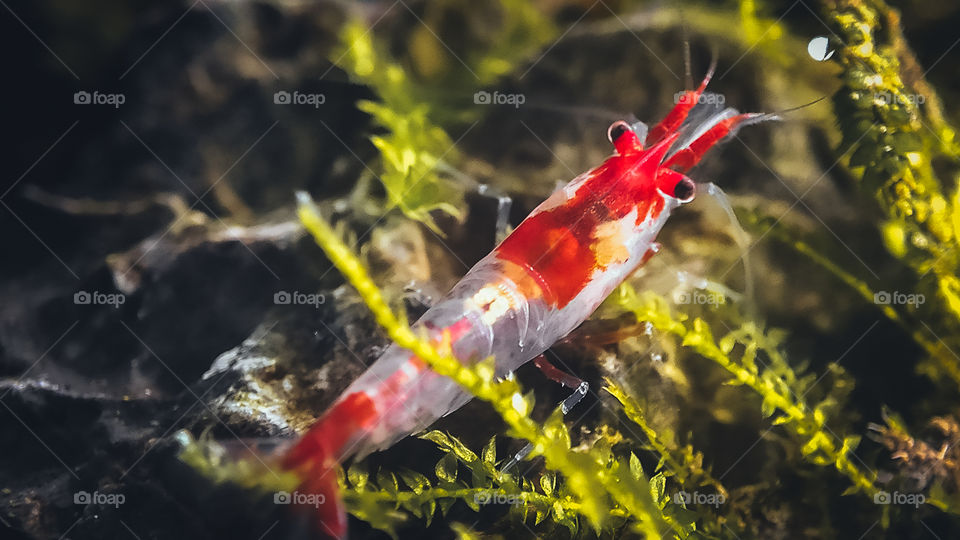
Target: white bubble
{"type": "Point", "coordinates": [817, 48]}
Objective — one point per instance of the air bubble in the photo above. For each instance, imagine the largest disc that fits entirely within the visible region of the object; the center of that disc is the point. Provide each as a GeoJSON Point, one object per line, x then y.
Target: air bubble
{"type": "Point", "coordinates": [817, 48]}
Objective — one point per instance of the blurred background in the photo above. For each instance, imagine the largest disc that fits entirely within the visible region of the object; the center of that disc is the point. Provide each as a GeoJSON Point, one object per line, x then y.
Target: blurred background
{"type": "Point", "coordinates": [155, 278]}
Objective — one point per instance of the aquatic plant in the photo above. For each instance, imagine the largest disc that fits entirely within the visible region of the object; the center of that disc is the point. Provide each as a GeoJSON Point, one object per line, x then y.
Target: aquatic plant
{"type": "Point", "coordinates": [682, 462]}
{"type": "Point", "coordinates": [413, 147]}
{"type": "Point", "coordinates": [775, 381]}
{"type": "Point", "coordinates": [893, 122]}
{"type": "Point", "coordinates": [416, 152]}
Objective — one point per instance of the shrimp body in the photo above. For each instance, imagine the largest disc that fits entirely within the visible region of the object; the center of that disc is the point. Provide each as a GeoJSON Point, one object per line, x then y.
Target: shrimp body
{"type": "Point", "coordinates": [534, 288]}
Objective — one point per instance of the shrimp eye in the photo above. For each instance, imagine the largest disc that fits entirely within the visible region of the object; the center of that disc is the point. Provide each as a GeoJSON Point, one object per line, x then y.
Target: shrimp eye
{"type": "Point", "coordinates": [617, 129]}
{"type": "Point", "coordinates": [685, 190]}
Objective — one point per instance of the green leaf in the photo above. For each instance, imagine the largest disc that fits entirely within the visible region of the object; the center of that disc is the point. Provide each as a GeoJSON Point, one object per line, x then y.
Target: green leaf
{"type": "Point", "coordinates": [388, 482]}
{"type": "Point", "coordinates": [569, 522]}
{"type": "Point", "coordinates": [414, 480]}
{"type": "Point", "coordinates": [445, 505]}
{"type": "Point", "coordinates": [557, 430]}
{"type": "Point", "coordinates": [489, 454]}
{"type": "Point", "coordinates": [636, 469]}
{"type": "Point", "coordinates": [547, 483]}
{"type": "Point", "coordinates": [429, 509]}
{"type": "Point", "coordinates": [658, 485]}
{"type": "Point", "coordinates": [446, 468]}
{"type": "Point", "coordinates": [904, 141]}
{"type": "Point", "coordinates": [464, 532]}
{"type": "Point", "coordinates": [863, 156]}
{"type": "Point", "coordinates": [439, 438]}
{"type": "Point", "coordinates": [473, 503]}
{"type": "Point", "coordinates": [358, 475]}
{"type": "Point", "coordinates": [412, 506]}
{"type": "Point", "coordinates": [768, 407]}
{"type": "Point", "coordinates": [451, 444]}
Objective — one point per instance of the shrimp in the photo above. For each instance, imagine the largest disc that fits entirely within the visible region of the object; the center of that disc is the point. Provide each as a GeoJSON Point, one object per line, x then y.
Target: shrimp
{"type": "Point", "coordinates": [534, 288]}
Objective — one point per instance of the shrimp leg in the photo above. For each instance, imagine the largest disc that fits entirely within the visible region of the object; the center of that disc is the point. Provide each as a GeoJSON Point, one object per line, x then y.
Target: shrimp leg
{"type": "Point", "coordinates": [557, 375]}
{"type": "Point", "coordinates": [504, 203]}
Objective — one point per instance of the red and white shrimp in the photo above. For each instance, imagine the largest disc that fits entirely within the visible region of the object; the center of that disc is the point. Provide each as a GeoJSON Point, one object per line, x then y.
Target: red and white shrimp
{"type": "Point", "coordinates": [535, 287]}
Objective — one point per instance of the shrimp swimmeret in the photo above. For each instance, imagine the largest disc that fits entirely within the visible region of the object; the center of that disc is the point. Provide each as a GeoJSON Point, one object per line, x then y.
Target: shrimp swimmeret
{"type": "Point", "coordinates": [535, 287]}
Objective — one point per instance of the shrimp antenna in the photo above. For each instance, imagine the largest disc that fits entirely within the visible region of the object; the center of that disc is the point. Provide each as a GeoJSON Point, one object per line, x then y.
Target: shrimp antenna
{"type": "Point", "coordinates": [776, 115]}
{"type": "Point", "coordinates": [804, 106]}
{"type": "Point", "coordinates": [687, 75]}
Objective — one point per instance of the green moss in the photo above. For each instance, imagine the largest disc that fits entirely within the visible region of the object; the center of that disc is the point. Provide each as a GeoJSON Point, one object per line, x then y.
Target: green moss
{"type": "Point", "coordinates": [683, 462]}
{"type": "Point", "coordinates": [417, 153]}
{"type": "Point", "coordinates": [413, 148]}
{"type": "Point", "coordinates": [775, 381]}
{"type": "Point", "coordinates": [894, 141]}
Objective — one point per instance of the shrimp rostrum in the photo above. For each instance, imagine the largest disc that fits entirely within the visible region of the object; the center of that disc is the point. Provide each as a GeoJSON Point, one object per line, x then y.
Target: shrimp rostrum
{"type": "Point", "coordinates": [535, 287]}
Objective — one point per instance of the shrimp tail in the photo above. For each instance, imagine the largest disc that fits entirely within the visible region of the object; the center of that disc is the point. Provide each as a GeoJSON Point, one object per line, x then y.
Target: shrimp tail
{"type": "Point", "coordinates": [316, 457]}
{"type": "Point", "coordinates": [331, 516]}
